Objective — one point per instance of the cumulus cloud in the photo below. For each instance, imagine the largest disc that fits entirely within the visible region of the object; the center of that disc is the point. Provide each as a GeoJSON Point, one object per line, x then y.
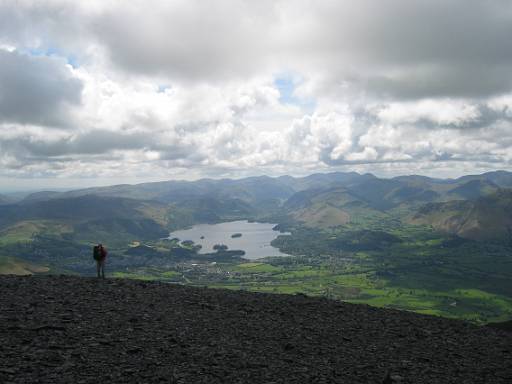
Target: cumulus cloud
{"type": "Point", "coordinates": [188, 89]}
{"type": "Point", "coordinates": [36, 90]}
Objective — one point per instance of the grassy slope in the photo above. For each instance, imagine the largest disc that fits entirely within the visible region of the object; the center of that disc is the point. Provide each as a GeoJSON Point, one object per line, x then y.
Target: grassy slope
{"type": "Point", "coordinates": [13, 266]}
{"type": "Point", "coordinates": [23, 231]}
{"type": "Point", "coordinates": [487, 218]}
{"type": "Point", "coordinates": [366, 287]}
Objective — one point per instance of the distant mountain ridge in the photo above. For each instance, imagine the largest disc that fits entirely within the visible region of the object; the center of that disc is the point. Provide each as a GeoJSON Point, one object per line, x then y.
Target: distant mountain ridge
{"type": "Point", "coordinates": [5, 200]}
{"type": "Point", "coordinates": [318, 200]}
{"type": "Point", "coordinates": [264, 188]}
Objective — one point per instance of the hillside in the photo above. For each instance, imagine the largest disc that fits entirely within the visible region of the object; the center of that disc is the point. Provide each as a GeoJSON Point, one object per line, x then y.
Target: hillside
{"type": "Point", "coordinates": [501, 178]}
{"type": "Point", "coordinates": [5, 199]}
{"type": "Point", "coordinates": [13, 266]}
{"type": "Point", "coordinates": [486, 218]}
{"type": "Point", "coordinates": [327, 207]}
{"type": "Point", "coordinates": [68, 329]}
{"type": "Point", "coordinates": [474, 189]}
{"type": "Point", "coordinates": [319, 200]}
{"type": "Point", "coordinates": [84, 218]}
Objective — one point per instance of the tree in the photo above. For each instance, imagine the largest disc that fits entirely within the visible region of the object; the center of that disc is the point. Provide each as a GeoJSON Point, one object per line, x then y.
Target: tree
{"type": "Point", "coordinates": [220, 247]}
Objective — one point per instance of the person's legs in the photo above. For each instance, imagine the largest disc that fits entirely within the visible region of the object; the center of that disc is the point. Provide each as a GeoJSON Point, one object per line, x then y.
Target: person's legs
{"type": "Point", "coordinates": [103, 268]}
{"type": "Point", "coordinates": [98, 267]}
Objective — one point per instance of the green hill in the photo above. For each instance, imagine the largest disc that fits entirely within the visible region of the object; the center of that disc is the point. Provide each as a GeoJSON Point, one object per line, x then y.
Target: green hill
{"type": "Point", "coordinates": [473, 189]}
{"type": "Point", "coordinates": [486, 218]}
{"type": "Point", "coordinates": [326, 208]}
{"type": "Point", "coordinates": [14, 266]}
{"type": "Point", "coordinates": [502, 179]}
{"type": "Point", "coordinates": [5, 200]}
{"type": "Point", "coordinates": [85, 218]}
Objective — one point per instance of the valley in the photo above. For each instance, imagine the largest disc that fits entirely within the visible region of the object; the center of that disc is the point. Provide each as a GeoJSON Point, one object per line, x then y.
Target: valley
{"type": "Point", "coordinates": [440, 247]}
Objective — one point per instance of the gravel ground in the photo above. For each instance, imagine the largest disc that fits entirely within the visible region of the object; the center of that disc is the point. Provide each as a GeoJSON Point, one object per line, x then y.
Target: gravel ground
{"type": "Point", "coordinates": [62, 329]}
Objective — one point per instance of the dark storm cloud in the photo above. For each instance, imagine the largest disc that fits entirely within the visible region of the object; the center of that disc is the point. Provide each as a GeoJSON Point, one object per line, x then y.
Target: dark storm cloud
{"type": "Point", "coordinates": [36, 90]}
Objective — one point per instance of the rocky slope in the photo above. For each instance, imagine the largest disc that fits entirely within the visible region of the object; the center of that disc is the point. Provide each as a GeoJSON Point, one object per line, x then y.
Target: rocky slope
{"type": "Point", "coordinates": [83, 330]}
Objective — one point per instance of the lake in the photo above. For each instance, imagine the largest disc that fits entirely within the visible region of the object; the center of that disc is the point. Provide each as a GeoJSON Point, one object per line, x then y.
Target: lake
{"type": "Point", "coordinates": [255, 239]}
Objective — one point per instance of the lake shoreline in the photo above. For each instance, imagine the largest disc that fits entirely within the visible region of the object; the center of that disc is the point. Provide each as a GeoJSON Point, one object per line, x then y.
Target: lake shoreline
{"type": "Point", "coordinates": [255, 237]}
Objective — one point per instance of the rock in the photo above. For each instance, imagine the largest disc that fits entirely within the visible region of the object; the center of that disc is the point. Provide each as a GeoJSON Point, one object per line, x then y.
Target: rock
{"type": "Point", "coordinates": [120, 331]}
{"type": "Point", "coordinates": [387, 379]}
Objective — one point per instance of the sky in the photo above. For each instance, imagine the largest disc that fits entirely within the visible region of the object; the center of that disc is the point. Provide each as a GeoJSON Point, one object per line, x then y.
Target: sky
{"type": "Point", "coordinates": [104, 92]}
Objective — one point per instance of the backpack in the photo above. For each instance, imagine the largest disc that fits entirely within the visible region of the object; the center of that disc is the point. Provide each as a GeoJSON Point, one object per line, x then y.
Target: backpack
{"type": "Point", "coordinates": [96, 253]}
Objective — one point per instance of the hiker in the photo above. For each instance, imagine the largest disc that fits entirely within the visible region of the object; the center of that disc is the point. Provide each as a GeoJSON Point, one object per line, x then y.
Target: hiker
{"type": "Point", "coordinates": [100, 254]}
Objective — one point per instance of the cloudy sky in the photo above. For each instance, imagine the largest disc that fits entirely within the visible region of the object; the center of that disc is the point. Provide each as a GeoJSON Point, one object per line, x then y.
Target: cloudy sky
{"type": "Point", "coordinates": [102, 92]}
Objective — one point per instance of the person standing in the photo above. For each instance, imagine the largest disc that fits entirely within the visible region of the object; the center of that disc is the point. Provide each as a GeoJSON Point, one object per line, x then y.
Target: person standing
{"type": "Point", "coordinates": [100, 255]}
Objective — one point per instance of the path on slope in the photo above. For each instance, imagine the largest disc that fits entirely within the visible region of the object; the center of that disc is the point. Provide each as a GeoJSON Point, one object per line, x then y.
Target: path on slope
{"type": "Point", "coordinates": [82, 330]}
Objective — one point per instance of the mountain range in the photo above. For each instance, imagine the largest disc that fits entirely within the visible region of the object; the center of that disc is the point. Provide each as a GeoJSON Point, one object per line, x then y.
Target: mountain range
{"type": "Point", "coordinates": [475, 206]}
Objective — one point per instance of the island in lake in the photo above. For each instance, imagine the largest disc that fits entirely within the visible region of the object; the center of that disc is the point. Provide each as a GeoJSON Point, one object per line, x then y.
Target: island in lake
{"type": "Point", "coordinates": [255, 237]}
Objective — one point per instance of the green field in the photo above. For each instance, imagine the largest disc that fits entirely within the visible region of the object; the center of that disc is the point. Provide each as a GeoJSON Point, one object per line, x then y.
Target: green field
{"type": "Point", "coordinates": [24, 231]}
{"type": "Point", "coordinates": [470, 304]}
{"type": "Point", "coordinates": [14, 266]}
